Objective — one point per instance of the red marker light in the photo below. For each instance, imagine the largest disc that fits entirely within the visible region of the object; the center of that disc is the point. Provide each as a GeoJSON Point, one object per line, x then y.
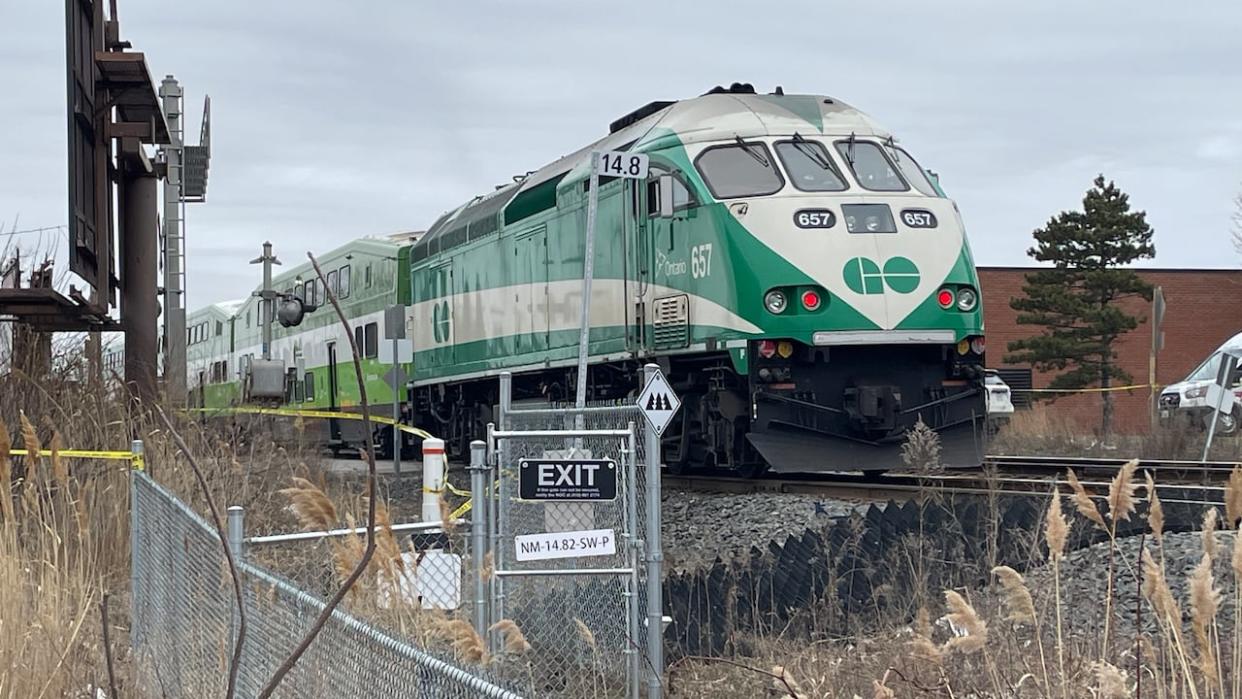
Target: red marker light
{"type": "Point", "coordinates": [945, 298]}
{"type": "Point", "coordinates": [767, 349]}
{"type": "Point", "coordinates": [810, 300]}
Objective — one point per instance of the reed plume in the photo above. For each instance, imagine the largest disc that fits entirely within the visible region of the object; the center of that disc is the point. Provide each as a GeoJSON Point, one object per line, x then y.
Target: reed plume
{"type": "Point", "coordinates": [515, 640]}
{"type": "Point", "coordinates": [466, 642]}
{"type": "Point", "coordinates": [784, 683]}
{"type": "Point", "coordinates": [1204, 604]}
{"type": "Point", "coordinates": [1209, 532]}
{"type": "Point", "coordinates": [1017, 597]}
{"type": "Point", "coordinates": [921, 646]}
{"type": "Point", "coordinates": [1082, 501]}
{"type": "Point", "coordinates": [311, 506]}
{"type": "Point", "coordinates": [1056, 531]}
{"type": "Point", "coordinates": [970, 631]}
{"type": "Point", "coordinates": [388, 560]}
{"type": "Point", "coordinates": [1155, 511]}
{"type": "Point", "coordinates": [1121, 493]}
{"type": "Point", "coordinates": [1110, 682]}
{"type": "Point", "coordinates": [60, 472]}
{"type": "Point", "coordinates": [30, 440]}
{"type": "Point", "coordinates": [584, 633]}
{"type": "Point", "coordinates": [1056, 528]}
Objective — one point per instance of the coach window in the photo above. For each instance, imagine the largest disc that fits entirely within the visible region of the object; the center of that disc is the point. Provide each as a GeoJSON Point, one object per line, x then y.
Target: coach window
{"type": "Point", "coordinates": [344, 282]}
{"type": "Point", "coordinates": [741, 170]}
{"type": "Point", "coordinates": [366, 276]}
{"type": "Point", "coordinates": [309, 381]}
{"type": "Point", "coordinates": [870, 167]}
{"type": "Point", "coordinates": [372, 341]}
{"type": "Point", "coordinates": [333, 286]}
{"type": "Point", "coordinates": [809, 166]}
{"type": "Point", "coordinates": [359, 338]}
{"type": "Point", "coordinates": [219, 328]}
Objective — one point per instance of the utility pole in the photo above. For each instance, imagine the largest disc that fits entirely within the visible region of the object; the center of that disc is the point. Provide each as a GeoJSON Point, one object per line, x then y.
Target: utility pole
{"type": "Point", "coordinates": [268, 296]}
{"type": "Point", "coordinates": [174, 260]}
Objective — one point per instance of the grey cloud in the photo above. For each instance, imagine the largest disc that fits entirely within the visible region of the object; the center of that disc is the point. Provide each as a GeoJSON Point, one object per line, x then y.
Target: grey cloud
{"type": "Point", "coordinates": [334, 120]}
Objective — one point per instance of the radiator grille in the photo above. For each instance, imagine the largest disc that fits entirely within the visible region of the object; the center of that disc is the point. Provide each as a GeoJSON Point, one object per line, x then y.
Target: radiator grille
{"type": "Point", "coordinates": [671, 321]}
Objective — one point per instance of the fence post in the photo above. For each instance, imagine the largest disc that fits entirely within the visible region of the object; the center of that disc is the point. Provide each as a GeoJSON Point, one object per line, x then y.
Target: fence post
{"type": "Point", "coordinates": [632, 613]}
{"type": "Point", "coordinates": [501, 522]}
{"type": "Point", "coordinates": [433, 478]}
{"type": "Point", "coordinates": [137, 461]}
{"type": "Point", "coordinates": [655, 559]}
{"type": "Point", "coordinates": [478, 531]}
{"type": "Point", "coordinates": [237, 532]}
{"type": "Point", "coordinates": [137, 623]}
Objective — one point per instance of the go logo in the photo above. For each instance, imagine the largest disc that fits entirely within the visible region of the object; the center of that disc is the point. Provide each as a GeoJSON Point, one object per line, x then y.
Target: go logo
{"type": "Point", "coordinates": [440, 321]}
{"type": "Point", "coordinates": [863, 276]}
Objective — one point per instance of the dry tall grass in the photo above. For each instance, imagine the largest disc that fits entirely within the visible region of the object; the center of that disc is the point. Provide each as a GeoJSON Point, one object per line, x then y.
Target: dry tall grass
{"type": "Point", "coordinates": [991, 643]}
{"type": "Point", "coordinates": [63, 538]}
{"type": "Point", "coordinates": [64, 522]}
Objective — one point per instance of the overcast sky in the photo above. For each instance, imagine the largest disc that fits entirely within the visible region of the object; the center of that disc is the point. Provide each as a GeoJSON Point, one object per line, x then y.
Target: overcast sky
{"type": "Point", "coordinates": [334, 120]}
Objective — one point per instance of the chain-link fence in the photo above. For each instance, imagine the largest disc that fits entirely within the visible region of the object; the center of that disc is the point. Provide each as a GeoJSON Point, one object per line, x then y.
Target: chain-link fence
{"type": "Point", "coordinates": [184, 620]}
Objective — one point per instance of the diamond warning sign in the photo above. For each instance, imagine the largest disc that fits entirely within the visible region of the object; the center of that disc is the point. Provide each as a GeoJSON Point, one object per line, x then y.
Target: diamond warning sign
{"type": "Point", "coordinates": [658, 403]}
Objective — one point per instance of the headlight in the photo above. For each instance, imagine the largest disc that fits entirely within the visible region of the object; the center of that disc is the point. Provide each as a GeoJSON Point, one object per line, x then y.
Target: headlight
{"type": "Point", "coordinates": [1197, 392]}
{"type": "Point", "coordinates": [967, 299]}
{"type": "Point", "coordinates": [873, 223]}
{"type": "Point", "coordinates": [775, 301]}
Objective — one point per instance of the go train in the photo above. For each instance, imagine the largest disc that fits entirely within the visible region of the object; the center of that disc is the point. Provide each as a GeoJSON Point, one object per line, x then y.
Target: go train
{"type": "Point", "coordinates": [809, 292]}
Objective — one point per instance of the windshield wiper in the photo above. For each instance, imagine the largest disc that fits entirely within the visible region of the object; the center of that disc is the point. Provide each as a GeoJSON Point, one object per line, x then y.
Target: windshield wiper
{"type": "Point", "coordinates": [891, 144]}
{"type": "Point", "coordinates": [753, 151]}
{"type": "Point", "coordinates": [804, 147]}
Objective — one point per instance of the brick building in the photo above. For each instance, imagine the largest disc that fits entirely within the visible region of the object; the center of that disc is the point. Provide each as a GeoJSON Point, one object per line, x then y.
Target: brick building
{"type": "Point", "coordinates": [1203, 309]}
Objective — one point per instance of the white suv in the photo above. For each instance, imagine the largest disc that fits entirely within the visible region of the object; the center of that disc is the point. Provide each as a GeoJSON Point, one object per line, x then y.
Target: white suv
{"type": "Point", "coordinates": [1000, 403]}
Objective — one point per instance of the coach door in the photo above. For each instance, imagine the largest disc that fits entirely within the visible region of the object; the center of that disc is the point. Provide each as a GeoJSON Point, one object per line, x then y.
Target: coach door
{"type": "Point", "coordinates": [334, 427]}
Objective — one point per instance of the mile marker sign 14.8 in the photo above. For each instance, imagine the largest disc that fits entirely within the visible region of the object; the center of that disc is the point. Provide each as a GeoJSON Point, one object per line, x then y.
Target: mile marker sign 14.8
{"type": "Point", "coordinates": [658, 403]}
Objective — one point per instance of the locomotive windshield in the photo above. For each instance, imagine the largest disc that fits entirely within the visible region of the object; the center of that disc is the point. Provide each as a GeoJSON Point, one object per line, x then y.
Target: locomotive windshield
{"type": "Point", "coordinates": [809, 166]}
{"type": "Point", "coordinates": [741, 170]}
{"type": "Point", "coordinates": [870, 167]}
{"type": "Point", "coordinates": [910, 168]}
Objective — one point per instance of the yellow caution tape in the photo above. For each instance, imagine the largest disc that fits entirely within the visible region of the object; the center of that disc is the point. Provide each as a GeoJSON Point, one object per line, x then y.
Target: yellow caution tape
{"type": "Point", "coordinates": [323, 414]}
{"type": "Point", "coordinates": [465, 507]}
{"type": "Point", "coordinates": [1083, 390]}
{"type": "Point", "coordinates": [135, 460]}
{"type": "Point", "coordinates": [457, 491]}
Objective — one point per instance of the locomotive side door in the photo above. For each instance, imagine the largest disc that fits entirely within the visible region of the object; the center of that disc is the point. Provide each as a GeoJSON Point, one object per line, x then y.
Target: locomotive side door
{"type": "Point", "coordinates": [439, 291]}
{"type": "Point", "coordinates": [637, 241]}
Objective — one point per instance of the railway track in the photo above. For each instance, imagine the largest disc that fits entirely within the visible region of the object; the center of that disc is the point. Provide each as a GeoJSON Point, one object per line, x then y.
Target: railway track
{"type": "Point", "coordinates": [1178, 480]}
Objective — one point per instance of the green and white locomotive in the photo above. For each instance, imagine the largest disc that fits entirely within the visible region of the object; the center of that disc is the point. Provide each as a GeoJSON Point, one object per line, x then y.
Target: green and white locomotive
{"type": "Point", "coordinates": [810, 291]}
{"type": "Point", "coordinates": [806, 286]}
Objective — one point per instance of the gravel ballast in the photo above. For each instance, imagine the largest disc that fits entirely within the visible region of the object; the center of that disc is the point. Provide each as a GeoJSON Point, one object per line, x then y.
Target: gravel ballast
{"type": "Point", "coordinates": [1084, 580]}
{"type": "Point", "coordinates": [698, 526]}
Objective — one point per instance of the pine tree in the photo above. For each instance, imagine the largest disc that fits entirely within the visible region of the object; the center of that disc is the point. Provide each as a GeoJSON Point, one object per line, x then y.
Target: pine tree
{"type": "Point", "coordinates": [1076, 301]}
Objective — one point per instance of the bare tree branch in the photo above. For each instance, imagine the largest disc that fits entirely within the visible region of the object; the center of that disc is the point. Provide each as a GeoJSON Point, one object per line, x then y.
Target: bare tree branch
{"type": "Point", "coordinates": [235, 661]}
{"type": "Point", "coordinates": [363, 562]}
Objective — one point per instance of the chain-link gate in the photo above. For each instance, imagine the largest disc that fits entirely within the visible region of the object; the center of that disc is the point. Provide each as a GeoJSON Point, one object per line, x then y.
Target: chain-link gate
{"type": "Point", "coordinates": [573, 575]}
